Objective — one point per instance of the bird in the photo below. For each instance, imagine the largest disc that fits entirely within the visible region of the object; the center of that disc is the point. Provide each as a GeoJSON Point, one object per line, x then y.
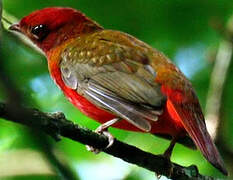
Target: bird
{"type": "Point", "coordinates": [118, 80]}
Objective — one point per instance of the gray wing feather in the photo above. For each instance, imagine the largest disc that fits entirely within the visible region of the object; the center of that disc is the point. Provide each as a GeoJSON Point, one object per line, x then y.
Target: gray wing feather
{"type": "Point", "coordinates": [130, 87]}
{"type": "Point", "coordinates": [114, 81]}
{"type": "Point", "coordinates": [127, 111]}
{"type": "Point", "coordinates": [69, 77]}
{"type": "Point", "coordinates": [126, 95]}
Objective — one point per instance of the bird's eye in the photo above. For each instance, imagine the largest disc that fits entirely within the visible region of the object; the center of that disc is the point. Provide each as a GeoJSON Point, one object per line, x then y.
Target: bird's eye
{"type": "Point", "coordinates": [40, 31]}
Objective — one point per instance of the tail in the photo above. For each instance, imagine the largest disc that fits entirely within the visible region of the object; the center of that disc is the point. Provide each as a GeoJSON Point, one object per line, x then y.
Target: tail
{"type": "Point", "coordinates": [193, 121]}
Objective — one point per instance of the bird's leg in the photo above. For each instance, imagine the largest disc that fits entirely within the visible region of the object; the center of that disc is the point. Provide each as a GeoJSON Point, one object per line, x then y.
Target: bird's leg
{"type": "Point", "coordinates": [167, 155]}
{"type": "Point", "coordinates": [103, 129]}
{"type": "Point", "coordinates": [168, 151]}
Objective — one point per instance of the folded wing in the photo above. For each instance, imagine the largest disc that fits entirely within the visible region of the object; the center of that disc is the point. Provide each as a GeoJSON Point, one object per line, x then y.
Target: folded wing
{"type": "Point", "coordinates": [114, 81]}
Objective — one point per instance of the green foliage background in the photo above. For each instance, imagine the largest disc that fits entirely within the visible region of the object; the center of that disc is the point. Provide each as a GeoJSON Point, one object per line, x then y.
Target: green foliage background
{"type": "Point", "coordinates": [179, 28]}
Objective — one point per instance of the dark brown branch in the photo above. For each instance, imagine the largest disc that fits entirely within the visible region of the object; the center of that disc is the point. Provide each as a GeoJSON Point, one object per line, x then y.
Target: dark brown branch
{"type": "Point", "coordinates": [56, 125]}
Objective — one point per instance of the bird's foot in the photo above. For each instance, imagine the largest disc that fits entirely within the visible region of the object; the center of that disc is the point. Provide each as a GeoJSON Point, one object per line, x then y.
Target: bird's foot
{"type": "Point", "coordinates": [103, 130]}
{"type": "Point", "coordinates": [167, 165]}
{"type": "Point", "coordinates": [167, 157]}
{"type": "Point", "coordinates": [110, 141]}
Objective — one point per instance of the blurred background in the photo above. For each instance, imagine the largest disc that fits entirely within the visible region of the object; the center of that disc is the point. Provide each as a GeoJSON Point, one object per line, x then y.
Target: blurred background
{"type": "Point", "coordinates": [197, 35]}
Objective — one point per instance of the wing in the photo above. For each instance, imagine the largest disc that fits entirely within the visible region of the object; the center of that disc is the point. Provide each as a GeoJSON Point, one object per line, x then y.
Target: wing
{"type": "Point", "coordinates": [116, 78]}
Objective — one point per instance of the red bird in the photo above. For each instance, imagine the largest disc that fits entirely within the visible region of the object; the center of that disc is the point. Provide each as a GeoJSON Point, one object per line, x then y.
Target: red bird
{"type": "Point", "coordinates": [118, 80]}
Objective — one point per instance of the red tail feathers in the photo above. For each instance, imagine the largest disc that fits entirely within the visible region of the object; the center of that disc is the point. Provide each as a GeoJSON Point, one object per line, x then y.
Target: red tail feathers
{"type": "Point", "coordinates": [192, 118]}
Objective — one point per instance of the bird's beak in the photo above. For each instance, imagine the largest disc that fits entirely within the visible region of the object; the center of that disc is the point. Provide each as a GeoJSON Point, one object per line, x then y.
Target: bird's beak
{"type": "Point", "coordinates": [15, 27]}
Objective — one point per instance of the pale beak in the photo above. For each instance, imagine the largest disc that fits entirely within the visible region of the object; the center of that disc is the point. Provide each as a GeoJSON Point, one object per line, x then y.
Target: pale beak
{"type": "Point", "coordinates": [15, 27]}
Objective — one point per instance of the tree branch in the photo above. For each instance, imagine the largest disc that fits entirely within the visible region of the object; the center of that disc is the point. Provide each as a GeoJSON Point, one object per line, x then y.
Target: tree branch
{"type": "Point", "coordinates": [56, 125]}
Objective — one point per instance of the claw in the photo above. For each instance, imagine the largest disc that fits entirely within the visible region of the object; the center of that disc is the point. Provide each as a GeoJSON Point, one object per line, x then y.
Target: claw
{"type": "Point", "coordinates": [103, 129]}
{"type": "Point", "coordinates": [168, 165]}
{"type": "Point", "coordinates": [110, 138]}
{"type": "Point", "coordinates": [167, 156]}
{"type": "Point", "coordinates": [92, 149]}
{"type": "Point", "coordinates": [158, 176]}
{"type": "Point", "coordinates": [110, 141]}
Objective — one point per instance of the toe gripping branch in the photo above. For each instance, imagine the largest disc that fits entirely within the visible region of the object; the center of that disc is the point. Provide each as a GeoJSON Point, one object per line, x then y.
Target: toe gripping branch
{"type": "Point", "coordinates": [103, 129]}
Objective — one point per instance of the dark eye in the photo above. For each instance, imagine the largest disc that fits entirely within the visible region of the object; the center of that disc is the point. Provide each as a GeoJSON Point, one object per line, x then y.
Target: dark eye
{"type": "Point", "coordinates": [40, 31]}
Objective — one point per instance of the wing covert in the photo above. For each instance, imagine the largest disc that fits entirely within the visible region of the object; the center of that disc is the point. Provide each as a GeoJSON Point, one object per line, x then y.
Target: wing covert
{"type": "Point", "coordinates": [117, 80]}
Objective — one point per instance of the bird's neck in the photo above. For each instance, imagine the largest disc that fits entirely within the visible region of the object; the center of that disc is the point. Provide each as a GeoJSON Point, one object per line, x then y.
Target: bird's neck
{"type": "Point", "coordinates": [68, 32]}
